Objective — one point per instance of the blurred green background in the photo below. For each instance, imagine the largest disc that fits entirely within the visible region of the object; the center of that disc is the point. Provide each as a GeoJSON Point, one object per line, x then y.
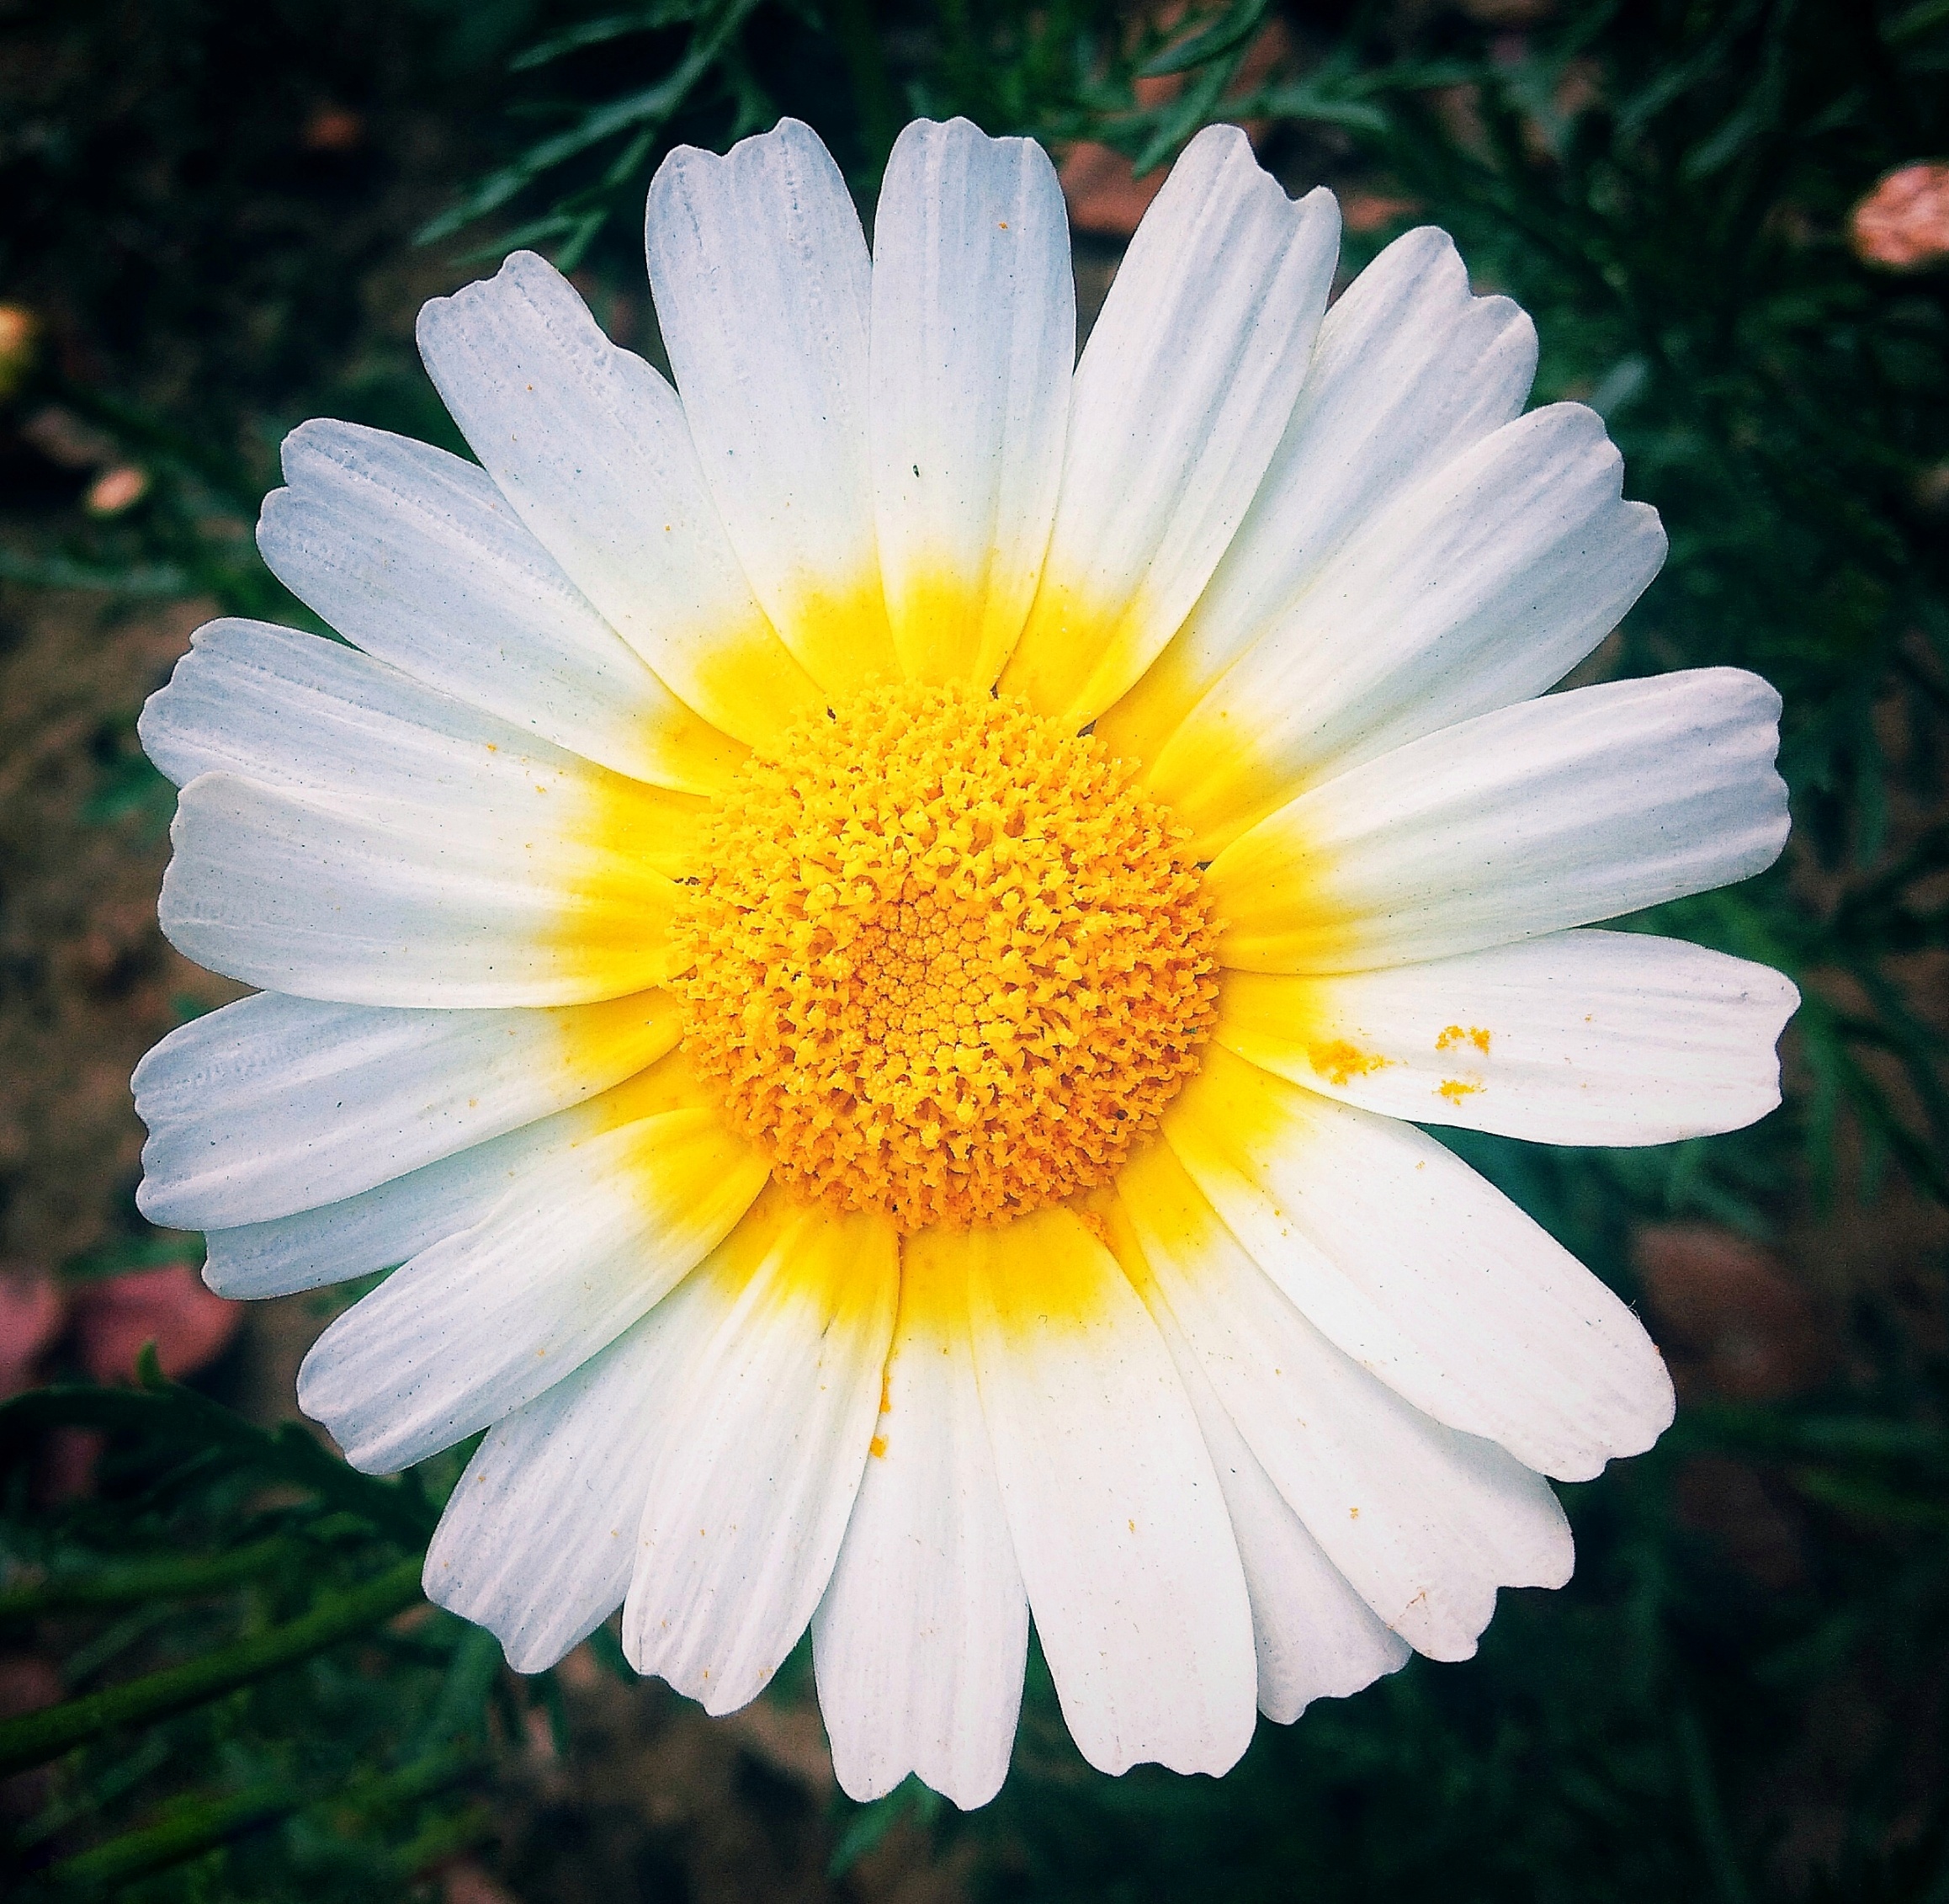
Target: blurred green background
{"type": "Point", "coordinates": [218, 217]}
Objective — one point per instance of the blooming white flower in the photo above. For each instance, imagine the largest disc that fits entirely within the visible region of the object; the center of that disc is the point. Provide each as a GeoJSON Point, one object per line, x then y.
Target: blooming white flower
{"type": "Point", "coordinates": [873, 931]}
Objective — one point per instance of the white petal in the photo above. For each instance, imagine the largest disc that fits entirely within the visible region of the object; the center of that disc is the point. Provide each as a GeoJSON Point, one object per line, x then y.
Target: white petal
{"type": "Point", "coordinates": [277, 1104]}
{"type": "Point", "coordinates": [919, 1640]}
{"type": "Point", "coordinates": [581, 1247]}
{"type": "Point", "coordinates": [1576, 807]}
{"type": "Point", "coordinates": [296, 710]}
{"type": "Point", "coordinates": [538, 1537]}
{"type": "Point", "coordinates": [1119, 1527]}
{"type": "Point", "coordinates": [761, 279]}
{"type": "Point", "coordinates": [417, 558]}
{"type": "Point", "coordinates": [1315, 1635]}
{"type": "Point", "coordinates": [376, 1230]}
{"type": "Point", "coordinates": [1574, 1038]}
{"type": "Point", "coordinates": [1422, 1271]}
{"type": "Point", "coordinates": [751, 1481]}
{"type": "Point", "coordinates": [974, 340]}
{"type": "Point", "coordinates": [468, 794]}
{"type": "Point", "coordinates": [1408, 371]}
{"type": "Point", "coordinates": [355, 901]}
{"type": "Point", "coordinates": [589, 444]}
{"type": "Point", "coordinates": [1181, 395]}
{"type": "Point", "coordinates": [1425, 1522]}
{"type": "Point", "coordinates": [383, 1227]}
{"type": "Point", "coordinates": [1483, 585]}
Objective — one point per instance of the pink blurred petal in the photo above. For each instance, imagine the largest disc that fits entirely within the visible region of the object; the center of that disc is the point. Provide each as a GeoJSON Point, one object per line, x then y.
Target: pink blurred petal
{"type": "Point", "coordinates": [168, 1307]}
{"type": "Point", "coordinates": [1105, 196]}
{"type": "Point", "coordinates": [1904, 221]}
{"type": "Point", "coordinates": [31, 1316]}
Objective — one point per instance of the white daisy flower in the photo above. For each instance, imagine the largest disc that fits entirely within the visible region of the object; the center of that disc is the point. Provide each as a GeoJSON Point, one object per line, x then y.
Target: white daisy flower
{"type": "Point", "coordinates": [873, 931]}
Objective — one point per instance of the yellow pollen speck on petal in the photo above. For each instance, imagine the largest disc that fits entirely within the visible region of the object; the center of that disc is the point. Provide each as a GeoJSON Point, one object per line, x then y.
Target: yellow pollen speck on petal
{"type": "Point", "coordinates": [1454, 1034]}
{"type": "Point", "coordinates": [1455, 1089]}
{"type": "Point", "coordinates": [941, 960]}
{"type": "Point", "coordinates": [1339, 1061]}
{"type": "Point", "coordinates": [877, 1447]}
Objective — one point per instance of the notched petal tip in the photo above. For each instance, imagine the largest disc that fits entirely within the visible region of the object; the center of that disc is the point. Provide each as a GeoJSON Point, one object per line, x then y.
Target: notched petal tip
{"type": "Point", "coordinates": [523, 273]}
{"type": "Point", "coordinates": [755, 149]}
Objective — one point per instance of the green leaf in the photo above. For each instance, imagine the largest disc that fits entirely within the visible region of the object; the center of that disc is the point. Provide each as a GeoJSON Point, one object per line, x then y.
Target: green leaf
{"type": "Point", "coordinates": [604, 32]}
{"type": "Point", "coordinates": [38, 1736]}
{"type": "Point", "coordinates": [1238, 24]}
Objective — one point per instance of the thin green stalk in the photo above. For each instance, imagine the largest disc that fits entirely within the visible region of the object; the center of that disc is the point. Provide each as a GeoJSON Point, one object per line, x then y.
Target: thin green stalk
{"type": "Point", "coordinates": [38, 1736]}
{"type": "Point", "coordinates": [444, 1838]}
{"type": "Point", "coordinates": [146, 1580]}
{"type": "Point", "coordinates": [197, 1828]}
{"type": "Point", "coordinates": [1708, 1815]}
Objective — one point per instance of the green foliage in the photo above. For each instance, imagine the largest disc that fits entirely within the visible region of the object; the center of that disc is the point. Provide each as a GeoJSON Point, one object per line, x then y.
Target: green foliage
{"type": "Point", "coordinates": [266, 1720]}
{"type": "Point", "coordinates": [1664, 185]}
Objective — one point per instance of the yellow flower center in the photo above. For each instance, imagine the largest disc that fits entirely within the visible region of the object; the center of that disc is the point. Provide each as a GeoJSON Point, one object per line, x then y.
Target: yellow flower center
{"type": "Point", "coordinates": [943, 961]}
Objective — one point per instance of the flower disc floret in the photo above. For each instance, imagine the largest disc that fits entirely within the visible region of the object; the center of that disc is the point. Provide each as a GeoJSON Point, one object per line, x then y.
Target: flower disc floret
{"type": "Point", "coordinates": [944, 962]}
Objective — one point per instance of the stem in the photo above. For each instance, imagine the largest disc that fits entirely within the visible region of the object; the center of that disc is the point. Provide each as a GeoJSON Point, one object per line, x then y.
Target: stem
{"type": "Point", "coordinates": [115, 1587]}
{"type": "Point", "coordinates": [38, 1736]}
{"type": "Point", "coordinates": [201, 1828]}
{"type": "Point", "coordinates": [444, 1838]}
{"type": "Point", "coordinates": [1708, 1817]}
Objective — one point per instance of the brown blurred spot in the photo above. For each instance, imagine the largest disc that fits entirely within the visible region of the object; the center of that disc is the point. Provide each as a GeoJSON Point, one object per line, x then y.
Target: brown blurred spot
{"type": "Point", "coordinates": [1105, 196]}
{"type": "Point", "coordinates": [20, 342]}
{"type": "Point", "coordinates": [1459, 109]}
{"type": "Point", "coordinates": [466, 1882]}
{"type": "Point", "coordinates": [1368, 211]}
{"type": "Point", "coordinates": [116, 489]}
{"type": "Point", "coordinates": [1734, 1325]}
{"type": "Point", "coordinates": [333, 129]}
{"type": "Point", "coordinates": [1579, 88]}
{"type": "Point", "coordinates": [66, 1469]}
{"type": "Point", "coordinates": [1931, 489]}
{"type": "Point", "coordinates": [27, 1683]}
{"type": "Point", "coordinates": [168, 1307]}
{"type": "Point", "coordinates": [1729, 1502]}
{"type": "Point", "coordinates": [1903, 222]}
{"type": "Point", "coordinates": [63, 437]}
{"type": "Point", "coordinates": [579, 1670]}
